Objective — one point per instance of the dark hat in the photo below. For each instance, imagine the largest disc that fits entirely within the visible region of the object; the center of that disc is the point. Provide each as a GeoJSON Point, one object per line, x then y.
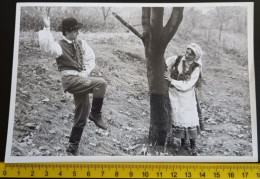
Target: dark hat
{"type": "Point", "coordinates": [70, 24]}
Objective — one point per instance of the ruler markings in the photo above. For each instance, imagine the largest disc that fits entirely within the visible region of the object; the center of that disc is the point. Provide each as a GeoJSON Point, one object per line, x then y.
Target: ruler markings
{"type": "Point", "coordinates": [137, 170]}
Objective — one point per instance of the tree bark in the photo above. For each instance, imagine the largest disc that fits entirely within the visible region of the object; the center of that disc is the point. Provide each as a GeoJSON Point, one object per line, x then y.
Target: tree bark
{"type": "Point", "coordinates": [173, 24]}
{"type": "Point", "coordinates": [159, 98]}
{"type": "Point", "coordinates": [146, 12]}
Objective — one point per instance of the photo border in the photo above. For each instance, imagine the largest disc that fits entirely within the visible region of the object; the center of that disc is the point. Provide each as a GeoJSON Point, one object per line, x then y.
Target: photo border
{"type": "Point", "coordinates": [251, 76]}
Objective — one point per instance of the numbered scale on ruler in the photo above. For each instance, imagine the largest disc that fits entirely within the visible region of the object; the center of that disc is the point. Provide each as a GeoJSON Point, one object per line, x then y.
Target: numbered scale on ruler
{"type": "Point", "coordinates": [130, 170]}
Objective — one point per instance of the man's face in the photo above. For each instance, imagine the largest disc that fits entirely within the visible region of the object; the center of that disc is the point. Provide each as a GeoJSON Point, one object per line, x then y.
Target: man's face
{"type": "Point", "coordinates": [72, 35]}
{"type": "Point", "coordinates": [189, 55]}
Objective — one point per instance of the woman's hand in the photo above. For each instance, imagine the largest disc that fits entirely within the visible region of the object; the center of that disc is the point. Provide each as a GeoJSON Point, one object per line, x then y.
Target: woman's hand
{"type": "Point", "coordinates": [167, 76]}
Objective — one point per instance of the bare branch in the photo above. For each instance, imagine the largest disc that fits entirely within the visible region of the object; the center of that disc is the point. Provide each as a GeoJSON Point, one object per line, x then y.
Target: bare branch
{"type": "Point", "coordinates": [105, 13]}
{"type": "Point", "coordinates": [45, 12]}
{"type": "Point", "coordinates": [108, 11]}
{"type": "Point", "coordinates": [128, 26]}
{"type": "Point", "coordinates": [172, 25]}
{"type": "Point", "coordinates": [48, 11]}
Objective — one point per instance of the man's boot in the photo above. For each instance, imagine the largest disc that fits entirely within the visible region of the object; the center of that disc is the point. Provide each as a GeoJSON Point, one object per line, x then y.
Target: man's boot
{"type": "Point", "coordinates": [75, 137]}
{"type": "Point", "coordinates": [95, 114]}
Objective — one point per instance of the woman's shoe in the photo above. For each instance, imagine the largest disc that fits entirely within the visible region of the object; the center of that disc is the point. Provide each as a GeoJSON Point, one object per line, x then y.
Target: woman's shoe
{"type": "Point", "coordinates": [184, 143]}
{"type": "Point", "coordinates": [194, 151]}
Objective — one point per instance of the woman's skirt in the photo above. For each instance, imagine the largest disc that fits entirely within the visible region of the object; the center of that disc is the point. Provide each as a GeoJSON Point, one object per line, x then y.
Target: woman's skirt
{"type": "Point", "coordinates": [186, 132]}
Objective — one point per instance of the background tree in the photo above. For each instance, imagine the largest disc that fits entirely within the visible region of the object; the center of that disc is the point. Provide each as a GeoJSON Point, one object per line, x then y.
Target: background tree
{"type": "Point", "coordinates": [222, 16]}
{"type": "Point", "coordinates": [155, 38]}
{"type": "Point", "coordinates": [191, 20]}
{"type": "Point", "coordinates": [239, 20]}
{"type": "Point", "coordinates": [105, 12]}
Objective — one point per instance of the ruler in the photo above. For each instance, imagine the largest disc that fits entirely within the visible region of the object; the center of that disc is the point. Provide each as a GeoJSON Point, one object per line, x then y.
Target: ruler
{"type": "Point", "coordinates": [131, 170]}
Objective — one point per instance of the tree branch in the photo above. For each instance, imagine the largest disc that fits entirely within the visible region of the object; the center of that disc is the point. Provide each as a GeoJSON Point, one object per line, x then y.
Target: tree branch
{"type": "Point", "coordinates": [108, 11]}
{"type": "Point", "coordinates": [146, 13]}
{"type": "Point", "coordinates": [128, 26]}
{"type": "Point", "coordinates": [103, 12]}
{"type": "Point", "coordinates": [157, 21]}
{"type": "Point", "coordinates": [48, 11]}
{"type": "Point", "coordinates": [172, 25]}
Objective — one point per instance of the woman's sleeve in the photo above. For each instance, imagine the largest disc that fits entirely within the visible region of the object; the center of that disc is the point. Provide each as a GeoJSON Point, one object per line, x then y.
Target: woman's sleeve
{"type": "Point", "coordinates": [47, 44]}
{"type": "Point", "coordinates": [186, 85]}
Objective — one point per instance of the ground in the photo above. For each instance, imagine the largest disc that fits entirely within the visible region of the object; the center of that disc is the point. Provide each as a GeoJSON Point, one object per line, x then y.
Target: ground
{"type": "Point", "coordinates": [44, 113]}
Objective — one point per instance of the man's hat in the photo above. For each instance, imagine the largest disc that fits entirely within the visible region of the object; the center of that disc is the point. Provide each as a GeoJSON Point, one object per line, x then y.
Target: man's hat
{"type": "Point", "coordinates": [70, 24]}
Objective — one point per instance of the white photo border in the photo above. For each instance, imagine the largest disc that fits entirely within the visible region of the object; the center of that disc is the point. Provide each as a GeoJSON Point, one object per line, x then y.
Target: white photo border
{"type": "Point", "coordinates": [35, 159]}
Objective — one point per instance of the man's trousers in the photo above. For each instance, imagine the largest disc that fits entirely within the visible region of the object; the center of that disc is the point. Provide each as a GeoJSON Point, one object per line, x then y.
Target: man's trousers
{"type": "Point", "coordinates": [80, 87]}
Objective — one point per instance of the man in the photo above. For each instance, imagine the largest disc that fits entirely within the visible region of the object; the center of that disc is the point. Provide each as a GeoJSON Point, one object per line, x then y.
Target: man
{"type": "Point", "coordinates": [75, 60]}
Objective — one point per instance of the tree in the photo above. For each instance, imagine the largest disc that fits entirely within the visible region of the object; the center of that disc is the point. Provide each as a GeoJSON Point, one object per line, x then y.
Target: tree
{"type": "Point", "coordinates": [191, 20]}
{"type": "Point", "coordinates": [105, 12]}
{"type": "Point", "coordinates": [155, 38]}
{"type": "Point", "coordinates": [222, 15]}
{"type": "Point", "coordinates": [239, 22]}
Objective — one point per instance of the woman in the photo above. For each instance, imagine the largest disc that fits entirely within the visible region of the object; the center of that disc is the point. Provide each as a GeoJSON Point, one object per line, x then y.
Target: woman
{"type": "Point", "coordinates": [182, 74]}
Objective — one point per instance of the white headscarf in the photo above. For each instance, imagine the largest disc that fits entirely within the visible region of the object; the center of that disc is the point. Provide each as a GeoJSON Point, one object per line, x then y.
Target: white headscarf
{"type": "Point", "coordinates": [198, 53]}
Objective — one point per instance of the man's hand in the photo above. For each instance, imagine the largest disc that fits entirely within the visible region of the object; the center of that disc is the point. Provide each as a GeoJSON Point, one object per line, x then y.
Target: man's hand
{"type": "Point", "coordinates": [46, 20]}
{"type": "Point", "coordinates": [167, 76]}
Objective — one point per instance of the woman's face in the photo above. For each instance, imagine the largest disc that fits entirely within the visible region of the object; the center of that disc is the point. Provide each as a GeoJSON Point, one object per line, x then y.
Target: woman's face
{"type": "Point", "coordinates": [189, 55]}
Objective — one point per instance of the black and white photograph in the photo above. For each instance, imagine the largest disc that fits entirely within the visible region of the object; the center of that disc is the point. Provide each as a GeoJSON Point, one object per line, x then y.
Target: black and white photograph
{"type": "Point", "coordinates": [133, 82]}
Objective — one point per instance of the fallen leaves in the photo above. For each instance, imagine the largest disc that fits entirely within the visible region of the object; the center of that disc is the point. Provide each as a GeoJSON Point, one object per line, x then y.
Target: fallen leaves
{"type": "Point", "coordinates": [93, 144]}
{"type": "Point", "coordinates": [31, 125]}
{"type": "Point", "coordinates": [57, 148]}
{"type": "Point", "coordinates": [45, 100]}
{"type": "Point", "coordinates": [102, 133]}
{"type": "Point", "coordinates": [128, 128]}
{"type": "Point", "coordinates": [53, 131]}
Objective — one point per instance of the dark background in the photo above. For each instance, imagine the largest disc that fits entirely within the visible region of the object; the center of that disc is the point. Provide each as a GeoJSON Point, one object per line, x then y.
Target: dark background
{"type": "Point", "coordinates": [7, 20]}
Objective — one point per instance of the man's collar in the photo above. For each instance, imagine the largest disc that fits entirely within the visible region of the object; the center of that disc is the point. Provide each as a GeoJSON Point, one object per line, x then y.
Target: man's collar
{"type": "Point", "coordinates": [69, 41]}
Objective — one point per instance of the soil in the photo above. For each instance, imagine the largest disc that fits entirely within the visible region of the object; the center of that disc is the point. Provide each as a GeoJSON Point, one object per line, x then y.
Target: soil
{"type": "Point", "coordinates": [44, 113]}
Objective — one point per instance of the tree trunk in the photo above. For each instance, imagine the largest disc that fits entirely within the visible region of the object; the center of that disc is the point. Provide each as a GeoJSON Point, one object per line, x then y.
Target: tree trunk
{"type": "Point", "coordinates": [220, 30]}
{"type": "Point", "coordinates": [159, 99]}
{"type": "Point", "coordinates": [158, 88]}
{"type": "Point", "coordinates": [158, 91]}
